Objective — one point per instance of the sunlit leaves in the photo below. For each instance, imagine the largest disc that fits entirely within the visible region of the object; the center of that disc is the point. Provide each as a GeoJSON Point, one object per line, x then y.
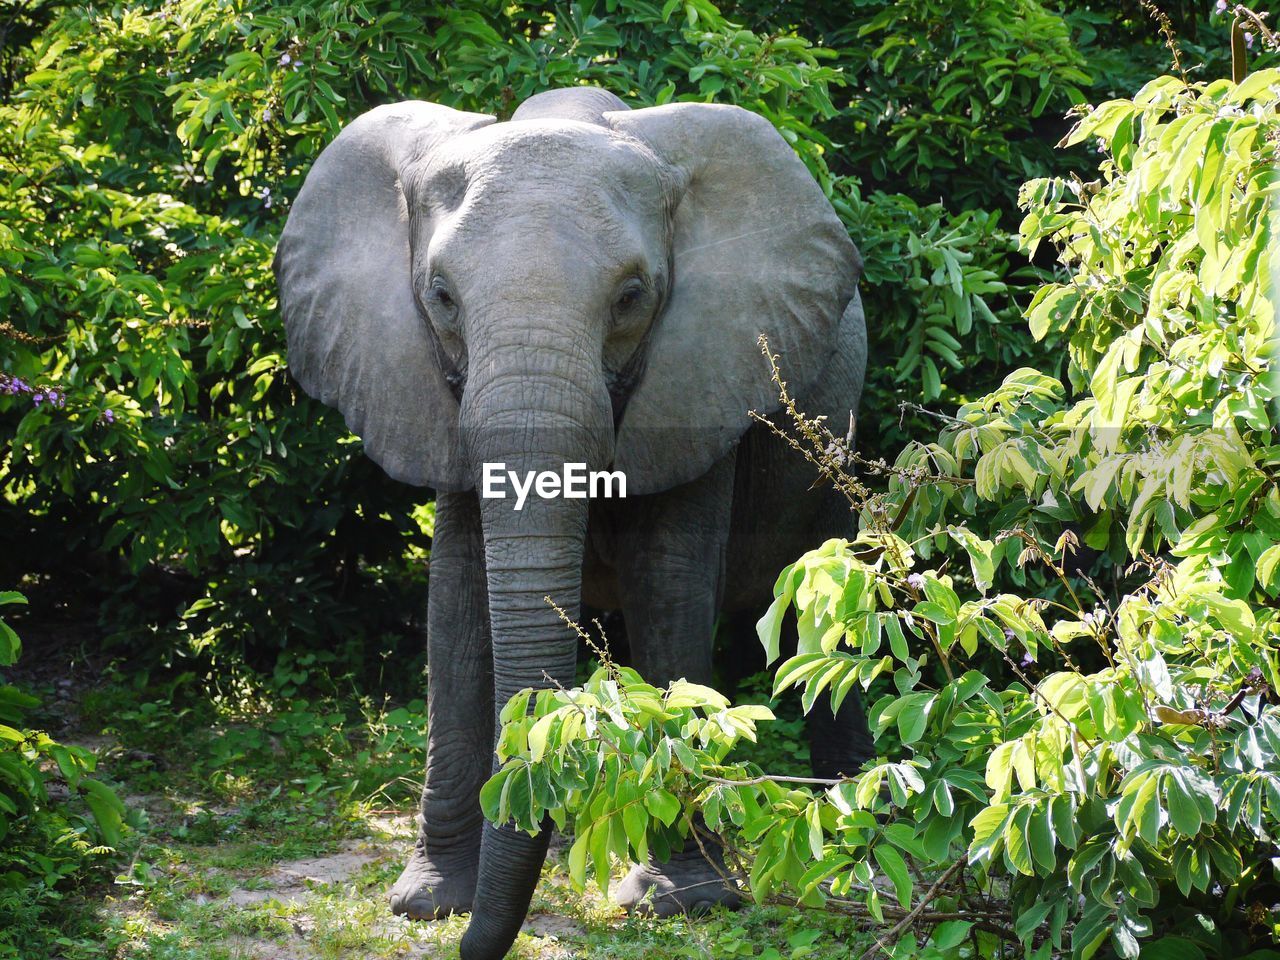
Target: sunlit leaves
{"type": "Point", "coordinates": [617, 755]}
{"type": "Point", "coordinates": [1159, 449]}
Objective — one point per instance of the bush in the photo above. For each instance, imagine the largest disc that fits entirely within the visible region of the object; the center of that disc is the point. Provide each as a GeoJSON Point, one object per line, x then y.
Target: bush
{"type": "Point", "coordinates": [46, 841]}
{"type": "Point", "coordinates": [150, 152]}
{"type": "Point", "coordinates": [160, 452]}
{"type": "Point", "coordinates": [1132, 761]}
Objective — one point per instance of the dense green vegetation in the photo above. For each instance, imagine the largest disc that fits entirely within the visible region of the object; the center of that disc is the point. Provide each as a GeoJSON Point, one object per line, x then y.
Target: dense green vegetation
{"type": "Point", "coordinates": [1132, 755]}
{"type": "Point", "coordinates": [1062, 596]}
{"type": "Point", "coordinates": [149, 155]}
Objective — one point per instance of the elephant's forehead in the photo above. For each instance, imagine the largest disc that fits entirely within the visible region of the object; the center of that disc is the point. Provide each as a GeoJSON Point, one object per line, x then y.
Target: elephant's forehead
{"type": "Point", "coordinates": [551, 154]}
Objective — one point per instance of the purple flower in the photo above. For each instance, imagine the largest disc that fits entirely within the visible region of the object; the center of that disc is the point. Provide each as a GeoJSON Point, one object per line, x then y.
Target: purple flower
{"type": "Point", "coordinates": [1248, 39]}
{"type": "Point", "coordinates": [916, 580]}
{"type": "Point", "coordinates": [1220, 6]}
{"type": "Point", "coordinates": [1010, 635]}
{"type": "Point", "coordinates": [285, 59]}
{"type": "Point", "coordinates": [16, 386]}
{"type": "Point", "coordinates": [109, 416]}
{"type": "Point", "coordinates": [268, 114]}
{"type": "Point", "coordinates": [1028, 659]}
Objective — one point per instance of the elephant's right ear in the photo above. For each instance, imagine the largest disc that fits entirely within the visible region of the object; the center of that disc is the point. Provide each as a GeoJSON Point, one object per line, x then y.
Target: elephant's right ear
{"type": "Point", "coordinates": [356, 339]}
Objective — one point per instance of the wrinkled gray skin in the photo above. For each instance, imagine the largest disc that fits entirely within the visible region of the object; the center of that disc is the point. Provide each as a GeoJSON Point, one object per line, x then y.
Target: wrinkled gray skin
{"type": "Point", "coordinates": [583, 283]}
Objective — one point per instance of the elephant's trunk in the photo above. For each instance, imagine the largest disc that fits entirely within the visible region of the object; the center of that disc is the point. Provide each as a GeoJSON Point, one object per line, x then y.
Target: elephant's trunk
{"type": "Point", "coordinates": [533, 412]}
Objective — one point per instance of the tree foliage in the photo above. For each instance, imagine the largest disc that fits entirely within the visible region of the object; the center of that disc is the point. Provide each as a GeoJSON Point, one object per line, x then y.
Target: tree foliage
{"type": "Point", "coordinates": [149, 154]}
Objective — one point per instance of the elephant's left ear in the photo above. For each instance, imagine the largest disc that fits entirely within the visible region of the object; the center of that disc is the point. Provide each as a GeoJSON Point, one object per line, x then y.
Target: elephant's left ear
{"type": "Point", "coordinates": [757, 250]}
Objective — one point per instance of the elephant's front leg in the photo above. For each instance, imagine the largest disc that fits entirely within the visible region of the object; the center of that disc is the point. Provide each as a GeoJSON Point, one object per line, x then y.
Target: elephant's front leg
{"type": "Point", "coordinates": [671, 562]}
{"type": "Point", "coordinates": [440, 877]}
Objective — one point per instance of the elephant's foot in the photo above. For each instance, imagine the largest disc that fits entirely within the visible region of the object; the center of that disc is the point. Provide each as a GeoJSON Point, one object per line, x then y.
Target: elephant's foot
{"type": "Point", "coordinates": [429, 889]}
{"type": "Point", "coordinates": [685, 884]}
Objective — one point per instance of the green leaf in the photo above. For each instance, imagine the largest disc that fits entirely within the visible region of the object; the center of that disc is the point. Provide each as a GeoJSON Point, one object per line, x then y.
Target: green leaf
{"type": "Point", "coordinates": [988, 833]}
{"type": "Point", "coordinates": [538, 734]}
{"type": "Point", "coordinates": [662, 805]}
{"type": "Point", "coordinates": [578, 859]}
{"type": "Point", "coordinates": [1040, 836]}
{"type": "Point", "coordinates": [1017, 845]}
{"type": "Point", "coordinates": [894, 867]}
{"type": "Point", "coordinates": [682, 693]}
{"type": "Point", "coordinates": [980, 555]}
{"type": "Point", "coordinates": [769, 628]}
{"type": "Point", "coordinates": [1265, 571]}
{"type": "Point", "coordinates": [10, 645]}
{"type": "Point", "coordinates": [107, 809]}
{"type": "Point", "coordinates": [1184, 812]}
{"type": "Point", "coordinates": [636, 825]}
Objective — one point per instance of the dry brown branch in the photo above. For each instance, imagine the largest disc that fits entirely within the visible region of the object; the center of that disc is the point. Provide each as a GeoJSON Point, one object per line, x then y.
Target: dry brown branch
{"type": "Point", "coordinates": [1166, 32]}
{"type": "Point", "coordinates": [13, 333]}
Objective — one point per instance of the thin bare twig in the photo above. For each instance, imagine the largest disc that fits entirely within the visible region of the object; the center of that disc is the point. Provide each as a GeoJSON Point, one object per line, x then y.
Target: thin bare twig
{"type": "Point", "coordinates": [910, 918]}
{"type": "Point", "coordinates": [1166, 32]}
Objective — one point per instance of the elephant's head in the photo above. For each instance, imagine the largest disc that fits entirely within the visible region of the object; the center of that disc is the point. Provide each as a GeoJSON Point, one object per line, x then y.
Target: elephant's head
{"type": "Point", "coordinates": [583, 283]}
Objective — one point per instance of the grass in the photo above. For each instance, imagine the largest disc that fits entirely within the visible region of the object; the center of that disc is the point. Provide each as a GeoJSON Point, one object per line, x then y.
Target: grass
{"type": "Point", "coordinates": [271, 828]}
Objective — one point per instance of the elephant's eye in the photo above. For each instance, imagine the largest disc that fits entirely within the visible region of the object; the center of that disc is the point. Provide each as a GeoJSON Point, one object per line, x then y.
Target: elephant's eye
{"type": "Point", "coordinates": [440, 293]}
{"type": "Point", "coordinates": [440, 306]}
{"type": "Point", "coordinates": [629, 296]}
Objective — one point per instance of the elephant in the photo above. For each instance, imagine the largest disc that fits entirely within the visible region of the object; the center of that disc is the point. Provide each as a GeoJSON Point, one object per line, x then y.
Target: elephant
{"type": "Point", "coordinates": [584, 283]}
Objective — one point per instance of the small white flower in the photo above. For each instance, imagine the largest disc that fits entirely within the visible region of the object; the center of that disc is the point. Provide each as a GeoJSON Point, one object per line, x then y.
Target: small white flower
{"type": "Point", "coordinates": [916, 580]}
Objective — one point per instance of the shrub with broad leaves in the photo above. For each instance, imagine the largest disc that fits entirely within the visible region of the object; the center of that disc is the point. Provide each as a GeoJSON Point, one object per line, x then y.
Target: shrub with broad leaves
{"type": "Point", "coordinates": [1121, 790]}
